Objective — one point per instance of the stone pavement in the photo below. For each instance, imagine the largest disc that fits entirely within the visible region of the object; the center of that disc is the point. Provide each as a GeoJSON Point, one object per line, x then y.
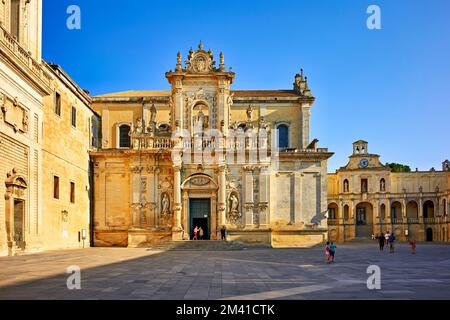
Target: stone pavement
{"type": "Point", "coordinates": [123, 273]}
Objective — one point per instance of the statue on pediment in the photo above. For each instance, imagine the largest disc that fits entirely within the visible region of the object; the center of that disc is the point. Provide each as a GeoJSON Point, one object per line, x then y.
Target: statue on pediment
{"type": "Point", "coordinates": [138, 127]}
{"type": "Point", "coordinates": [249, 113]}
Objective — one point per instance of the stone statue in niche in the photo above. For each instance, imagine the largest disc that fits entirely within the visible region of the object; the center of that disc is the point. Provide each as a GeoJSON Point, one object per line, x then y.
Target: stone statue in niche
{"type": "Point", "coordinates": [165, 205]}
{"type": "Point", "coordinates": [382, 185]}
{"type": "Point", "coordinates": [234, 213]}
{"type": "Point", "coordinates": [345, 186]}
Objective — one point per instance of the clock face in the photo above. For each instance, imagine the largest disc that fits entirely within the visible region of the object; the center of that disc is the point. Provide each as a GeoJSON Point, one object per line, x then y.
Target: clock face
{"type": "Point", "coordinates": [363, 163]}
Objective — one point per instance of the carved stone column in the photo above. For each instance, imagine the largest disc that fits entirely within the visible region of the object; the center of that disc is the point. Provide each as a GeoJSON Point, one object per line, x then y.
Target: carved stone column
{"type": "Point", "coordinates": [178, 106]}
{"type": "Point", "coordinates": [177, 233]}
{"type": "Point", "coordinates": [264, 195]}
{"type": "Point", "coordinates": [248, 196]}
{"type": "Point", "coordinates": [222, 195]}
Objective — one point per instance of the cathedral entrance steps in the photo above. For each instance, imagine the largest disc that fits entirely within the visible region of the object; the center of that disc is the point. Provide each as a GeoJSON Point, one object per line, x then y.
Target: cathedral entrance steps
{"type": "Point", "coordinates": [199, 245]}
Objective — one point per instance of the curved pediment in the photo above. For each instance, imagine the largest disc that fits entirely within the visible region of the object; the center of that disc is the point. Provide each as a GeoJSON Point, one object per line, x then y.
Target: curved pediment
{"type": "Point", "coordinates": [16, 180]}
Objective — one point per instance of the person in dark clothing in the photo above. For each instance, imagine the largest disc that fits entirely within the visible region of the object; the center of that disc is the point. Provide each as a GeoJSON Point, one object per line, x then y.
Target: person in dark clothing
{"type": "Point", "coordinates": [381, 241]}
{"type": "Point", "coordinates": [223, 233]}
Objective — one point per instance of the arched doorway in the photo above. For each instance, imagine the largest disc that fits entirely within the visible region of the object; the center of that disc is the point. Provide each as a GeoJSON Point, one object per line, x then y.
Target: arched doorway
{"type": "Point", "coordinates": [428, 209]}
{"type": "Point", "coordinates": [364, 220]}
{"type": "Point", "coordinates": [429, 234]}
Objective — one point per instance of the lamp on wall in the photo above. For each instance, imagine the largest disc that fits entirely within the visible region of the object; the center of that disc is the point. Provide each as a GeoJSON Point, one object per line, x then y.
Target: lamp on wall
{"type": "Point", "coordinates": [83, 235]}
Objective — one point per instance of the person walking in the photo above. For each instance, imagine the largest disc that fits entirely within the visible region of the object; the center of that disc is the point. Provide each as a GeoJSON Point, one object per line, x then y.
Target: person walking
{"type": "Point", "coordinates": [327, 251]}
{"type": "Point", "coordinates": [223, 232]}
{"type": "Point", "coordinates": [386, 236]}
{"type": "Point", "coordinates": [413, 246]}
{"type": "Point", "coordinates": [200, 233]}
{"type": "Point", "coordinates": [195, 233]}
{"type": "Point", "coordinates": [391, 243]}
{"type": "Point", "coordinates": [332, 251]}
{"type": "Point", "coordinates": [381, 241]}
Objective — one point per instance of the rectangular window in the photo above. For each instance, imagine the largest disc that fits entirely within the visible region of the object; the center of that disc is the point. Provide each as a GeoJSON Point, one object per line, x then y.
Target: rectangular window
{"type": "Point", "coordinates": [72, 192]}
{"type": "Point", "coordinates": [56, 187]}
{"type": "Point", "coordinates": [363, 185]}
{"type": "Point", "coordinates": [74, 117]}
{"type": "Point", "coordinates": [15, 19]}
{"type": "Point", "coordinates": [57, 103]}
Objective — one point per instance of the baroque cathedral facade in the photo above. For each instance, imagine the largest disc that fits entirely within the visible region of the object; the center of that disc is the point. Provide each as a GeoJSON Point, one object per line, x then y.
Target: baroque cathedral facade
{"type": "Point", "coordinates": [143, 167]}
{"type": "Point", "coordinates": [202, 154]}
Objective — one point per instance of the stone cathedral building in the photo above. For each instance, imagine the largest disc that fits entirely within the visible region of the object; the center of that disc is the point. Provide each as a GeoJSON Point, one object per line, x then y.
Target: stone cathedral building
{"type": "Point", "coordinates": [143, 167]}
{"type": "Point", "coordinates": [202, 154]}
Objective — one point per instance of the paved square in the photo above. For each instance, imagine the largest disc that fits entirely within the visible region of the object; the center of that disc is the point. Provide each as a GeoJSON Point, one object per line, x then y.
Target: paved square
{"type": "Point", "coordinates": [121, 273]}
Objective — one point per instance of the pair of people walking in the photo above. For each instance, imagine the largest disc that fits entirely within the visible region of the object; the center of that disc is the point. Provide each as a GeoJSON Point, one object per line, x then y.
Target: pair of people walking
{"type": "Point", "coordinates": [330, 251]}
{"type": "Point", "coordinates": [386, 239]}
{"type": "Point", "coordinates": [198, 233]}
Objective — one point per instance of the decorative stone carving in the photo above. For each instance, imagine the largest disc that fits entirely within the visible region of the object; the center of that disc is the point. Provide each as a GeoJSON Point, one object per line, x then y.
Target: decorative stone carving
{"type": "Point", "coordinates": [200, 61]}
{"type": "Point", "coordinates": [25, 121]}
{"type": "Point", "coordinates": [234, 213]}
{"type": "Point", "coordinates": [15, 184]}
{"type": "Point", "coordinates": [249, 113]}
{"type": "Point", "coordinates": [65, 216]}
{"type": "Point", "coordinates": [230, 100]}
{"type": "Point", "coordinates": [165, 204]}
{"type": "Point", "coordinates": [153, 113]}
{"type": "Point", "coordinates": [2, 105]}
{"type": "Point", "coordinates": [14, 114]}
{"type": "Point", "coordinates": [138, 127]}
{"type": "Point", "coordinates": [200, 181]}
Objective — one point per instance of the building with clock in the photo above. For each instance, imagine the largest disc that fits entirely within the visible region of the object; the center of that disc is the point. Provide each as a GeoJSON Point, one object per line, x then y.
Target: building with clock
{"type": "Point", "coordinates": [365, 197]}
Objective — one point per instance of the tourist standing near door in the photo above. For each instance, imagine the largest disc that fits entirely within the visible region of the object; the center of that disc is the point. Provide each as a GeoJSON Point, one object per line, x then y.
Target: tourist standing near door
{"type": "Point", "coordinates": [223, 233]}
{"type": "Point", "coordinates": [195, 233]}
{"type": "Point", "coordinates": [201, 233]}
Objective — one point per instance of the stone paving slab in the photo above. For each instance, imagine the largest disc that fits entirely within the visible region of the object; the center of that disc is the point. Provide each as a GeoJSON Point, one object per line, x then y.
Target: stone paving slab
{"type": "Point", "coordinates": [126, 273]}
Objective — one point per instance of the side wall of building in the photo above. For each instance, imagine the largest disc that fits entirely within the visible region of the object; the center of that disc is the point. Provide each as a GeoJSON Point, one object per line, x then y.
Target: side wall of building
{"type": "Point", "coordinates": [65, 151]}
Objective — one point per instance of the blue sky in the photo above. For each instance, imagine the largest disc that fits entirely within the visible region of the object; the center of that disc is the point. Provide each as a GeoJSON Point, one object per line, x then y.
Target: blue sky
{"type": "Point", "coordinates": [390, 87]}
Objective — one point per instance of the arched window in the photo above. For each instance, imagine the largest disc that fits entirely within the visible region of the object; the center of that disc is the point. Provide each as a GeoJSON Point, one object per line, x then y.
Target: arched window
{"type": "Point", "coordinates": [124, 136]}
{"type": "Point", "coordinates": [444, 204]}
{"type": "Point", "coordinates": [283, 136]}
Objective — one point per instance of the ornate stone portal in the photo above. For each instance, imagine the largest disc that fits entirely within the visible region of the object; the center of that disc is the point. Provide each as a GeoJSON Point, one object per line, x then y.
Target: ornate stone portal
{"type": "Point", "coordinates": [15, 201]}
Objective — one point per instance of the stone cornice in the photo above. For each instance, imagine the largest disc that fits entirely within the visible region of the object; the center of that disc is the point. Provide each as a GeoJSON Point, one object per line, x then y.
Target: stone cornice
{"type": "Point", "coordinates": [20, 60]}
